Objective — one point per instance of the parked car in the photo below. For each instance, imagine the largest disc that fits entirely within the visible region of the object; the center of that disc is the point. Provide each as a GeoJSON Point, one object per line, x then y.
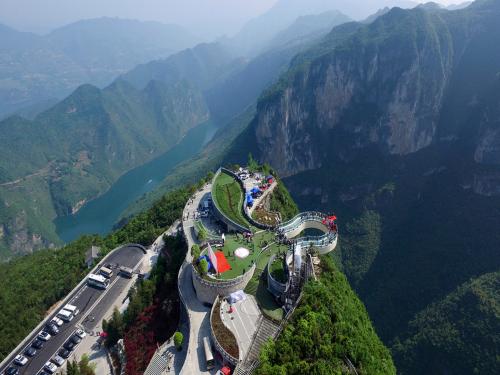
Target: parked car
{"type": "Point", "coordinates": [69, 345]}
{"type": "Point", "coordinates": [44, 336]}
{"type": "Point", "coordinates": [52, 329]}
{"type": "Point", "coordinates": [57, 321]}
{"type": "Point", "coordinates": [64, 353]}
{"type": "Point", "coordinates": [58, 360]}
{"type": "Point", "coordinates": [20, 360]}
{"type": "Point", "coordinates": [80, 333]}
{"type": "Point", "coordinates": [37, 343]}
{"type": "Point", "coordinates": [43, 372]}
{"type": "Point", "coordinates": [30, 352]}
{"type": "Point", "coordinates": [50, 367]}
{"type": "Point", "coordinates": [12, 371]}
{"type": "Point", "coordinates": [76, 339]}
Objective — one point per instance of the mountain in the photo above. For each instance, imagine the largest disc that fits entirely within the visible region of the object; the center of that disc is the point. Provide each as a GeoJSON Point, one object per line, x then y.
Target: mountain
{"type": "Point", "coordinates": [468, 315]}
{"type": "Point", "coordinates": [308, 27]}
{"type": "Point", "coordinates": [394, 125]}
{"type": "Point", "coordinates": [258, 32]}
{"type": "Point", "coordinates": [36, 68]}
{"type": "Point", "coordinates": [77, 149]}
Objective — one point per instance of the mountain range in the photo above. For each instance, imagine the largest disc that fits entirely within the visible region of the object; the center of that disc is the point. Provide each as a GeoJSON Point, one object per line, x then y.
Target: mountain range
{"type": "Point", "coordinates": [394, 123]}
{"type": "Point", "coordinates": [38, 69]}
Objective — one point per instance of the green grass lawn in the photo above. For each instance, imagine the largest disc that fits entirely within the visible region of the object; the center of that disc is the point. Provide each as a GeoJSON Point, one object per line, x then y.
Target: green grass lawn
{"type": "Point", "coordinates": [229, 198]}
{"type": "Point", "coordinates": [238, 265]}
{"type": "Point", "coordinates": [277, 271]}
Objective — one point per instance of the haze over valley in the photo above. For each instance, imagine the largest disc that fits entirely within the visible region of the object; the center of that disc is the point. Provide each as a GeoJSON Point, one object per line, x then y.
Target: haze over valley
{"type": "Point", "coordinates": [382, 117]}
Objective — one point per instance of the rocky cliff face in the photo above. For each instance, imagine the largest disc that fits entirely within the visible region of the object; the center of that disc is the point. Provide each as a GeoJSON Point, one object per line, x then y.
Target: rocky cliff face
{"type": "Point", "coordinates": [383, 86]}
{"type": "Point", "coordinates": [396, 127]}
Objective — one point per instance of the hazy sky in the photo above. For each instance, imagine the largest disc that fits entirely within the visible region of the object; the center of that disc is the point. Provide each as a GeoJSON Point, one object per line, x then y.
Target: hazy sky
{"type": "Point", "coordinates": [217, 15]}
{"type": "Point", "coordinates": [209, 17]}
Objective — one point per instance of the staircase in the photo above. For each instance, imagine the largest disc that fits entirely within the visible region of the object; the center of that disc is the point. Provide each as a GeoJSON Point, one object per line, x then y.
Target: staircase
{"type": "Point", "coordinates": [159, 362]}
{"type": "Point", "coordinates": [267, 329]}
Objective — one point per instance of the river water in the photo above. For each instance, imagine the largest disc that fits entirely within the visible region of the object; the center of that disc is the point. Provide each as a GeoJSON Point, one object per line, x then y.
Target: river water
{"type": "Point", "coordinates": [99, 215]}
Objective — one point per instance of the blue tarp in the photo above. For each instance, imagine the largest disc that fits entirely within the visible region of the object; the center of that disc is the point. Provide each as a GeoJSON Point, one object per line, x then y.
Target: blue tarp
{"type": "Point", "coordinates": [249, 199]}
{"type": "Point", "coordinates": [255, 189]}
{"type": "Point", "coordinates": [210, 266]}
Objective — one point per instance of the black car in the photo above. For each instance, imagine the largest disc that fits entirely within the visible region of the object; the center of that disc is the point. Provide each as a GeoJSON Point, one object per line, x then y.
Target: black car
{"type": "Point", "coordinates": [75, 339]}
{"type": "Point", "coordinates": [52, 328]}
{"type": "Point", "coordinates": [64, 353]}
{"type": "Point", "coordinates": [12, 371]}
{"type": "Point", "coordinates": [69, 345]}
{"type": "Point", "coordinates": [30, 352]}
{"type": "Point", "coordinates": [37, 344]}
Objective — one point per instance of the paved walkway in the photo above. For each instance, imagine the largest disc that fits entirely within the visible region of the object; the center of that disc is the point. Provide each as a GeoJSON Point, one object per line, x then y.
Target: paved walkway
{"type": "Point", "coordinates": [242, 322]}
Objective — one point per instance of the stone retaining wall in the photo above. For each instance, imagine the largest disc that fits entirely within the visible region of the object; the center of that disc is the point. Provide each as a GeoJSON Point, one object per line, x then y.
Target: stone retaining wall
{"type": "Point", "coordinates": [207, 290]}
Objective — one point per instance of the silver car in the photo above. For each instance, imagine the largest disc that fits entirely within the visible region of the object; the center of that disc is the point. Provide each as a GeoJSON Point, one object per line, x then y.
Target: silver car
{"type": "Point", "coordinates": [58, 360]}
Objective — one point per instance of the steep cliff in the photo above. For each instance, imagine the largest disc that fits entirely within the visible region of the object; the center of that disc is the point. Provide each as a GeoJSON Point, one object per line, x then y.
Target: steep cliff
{"type": "Point", "coordinates": [395, 126]}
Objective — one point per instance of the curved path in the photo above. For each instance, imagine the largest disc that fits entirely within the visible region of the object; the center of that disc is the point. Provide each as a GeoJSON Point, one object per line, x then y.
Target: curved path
{"type": "Point", "coordinates": [310, 220]}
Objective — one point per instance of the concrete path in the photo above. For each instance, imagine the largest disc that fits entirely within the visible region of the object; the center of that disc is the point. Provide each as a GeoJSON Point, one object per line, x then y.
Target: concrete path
{"type": "Point", "coordinates": [198, 314]}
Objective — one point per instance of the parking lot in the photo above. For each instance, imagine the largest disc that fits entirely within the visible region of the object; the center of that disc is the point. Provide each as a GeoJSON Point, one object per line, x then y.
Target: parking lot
{"type": "Point", "coordinates": [91, 302]}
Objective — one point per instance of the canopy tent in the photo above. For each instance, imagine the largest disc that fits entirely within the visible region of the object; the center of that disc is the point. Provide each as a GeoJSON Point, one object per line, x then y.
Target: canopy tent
{"type": "Point", "coordinates": [255, 189]}
{"type": "Point", "coordinates": [237, 296]}
{"type": "Point", "coordinates": [225, 370]}
{"type": "Point", "coordinates": [249, 199]}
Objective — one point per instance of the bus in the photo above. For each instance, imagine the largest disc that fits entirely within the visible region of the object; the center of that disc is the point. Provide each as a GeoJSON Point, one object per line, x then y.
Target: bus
{"type": "Point", "coordinates": [106, 272]}
{"type": "Point", "coordinates": [209, 357]}
{"type": "Point", "coordinates": [98, 281]}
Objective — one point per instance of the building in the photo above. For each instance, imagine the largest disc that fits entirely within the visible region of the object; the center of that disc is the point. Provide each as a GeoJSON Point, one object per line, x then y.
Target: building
{"type": "Point", "coordinates": [91, 255]}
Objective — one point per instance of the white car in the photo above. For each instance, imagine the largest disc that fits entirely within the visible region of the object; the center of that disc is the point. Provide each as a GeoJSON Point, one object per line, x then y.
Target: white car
{"type": "Point", "coordinates": [58, 360]}
{"type": "Point", "coordinates": [57, 321]}
{"type": "Point", "coordinates": [50, 367]}
{"type": "Point", "coordinates": [80, 333]}
{"type": "Point", "coordinates": [20, 360]}
{"type": "Point", "coordinates": [44, 336]}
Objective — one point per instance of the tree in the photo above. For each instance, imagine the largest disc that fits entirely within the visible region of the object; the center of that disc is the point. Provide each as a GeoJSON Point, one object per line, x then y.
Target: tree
{"type": "Point", "coordinates": [178, 339]}
{"type": "Point", "coordinates": [253, 166]}
{"type": "Point", "coordinates": [84, 367]}
{"type": "Point", "coordinates": [114, 328]}
{"type": "Point", "coordinates": [204, 266]}
{"type": "Point", "coordinates": [210, 176]}
{"type": "Point", "coordinates": [202, 234]}
{"type": "Point", "coordinates": [195, 251]}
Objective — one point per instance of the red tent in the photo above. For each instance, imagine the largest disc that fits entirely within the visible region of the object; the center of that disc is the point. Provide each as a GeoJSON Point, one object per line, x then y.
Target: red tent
{"type": "Point", "coordinates": [226, 370]}
{"type": "Point", "coordinates": [103, 334]}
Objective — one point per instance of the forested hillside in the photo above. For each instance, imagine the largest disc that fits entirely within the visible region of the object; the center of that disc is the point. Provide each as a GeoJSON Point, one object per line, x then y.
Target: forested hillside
{"type": "Point", "coordinates": [394, 125]}
{"type": "Point", "coordinates": [76, 150]}
{"type": "Point", "coordinates": [330, 326]}
{"type": "Point", "coordinates": [46, 276]}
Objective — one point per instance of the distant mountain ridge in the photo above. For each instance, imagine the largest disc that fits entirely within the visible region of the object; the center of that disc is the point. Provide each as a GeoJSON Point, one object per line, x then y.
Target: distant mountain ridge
{"type": "Point", "coordinates": [77, 149]}
{"type": "Point", "coordinates": [35, 68]}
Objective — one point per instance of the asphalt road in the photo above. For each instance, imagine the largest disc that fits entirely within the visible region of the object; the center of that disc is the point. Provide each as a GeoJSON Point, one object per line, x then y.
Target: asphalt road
{"type": "Point", "coordinates": [91, 302]}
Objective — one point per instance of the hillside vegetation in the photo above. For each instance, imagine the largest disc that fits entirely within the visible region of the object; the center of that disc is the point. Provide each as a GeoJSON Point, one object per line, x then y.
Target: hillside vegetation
{"type": "Point", "coordinates": [463, 325]}
{"type": "Point", "coordinates": [83, 145]}
{"type": "Point", "coordinates": [330, 325]}
{"type": "Point", "coordinates": [45, 277]}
